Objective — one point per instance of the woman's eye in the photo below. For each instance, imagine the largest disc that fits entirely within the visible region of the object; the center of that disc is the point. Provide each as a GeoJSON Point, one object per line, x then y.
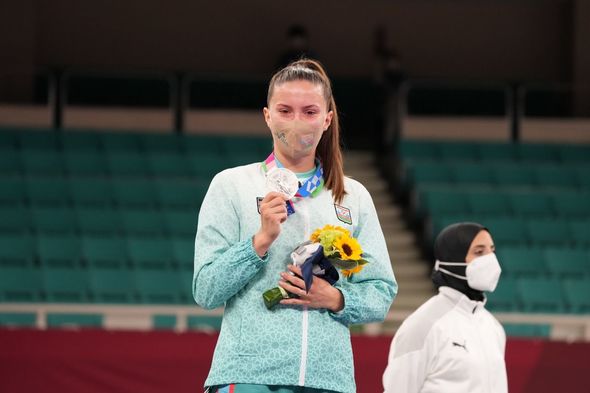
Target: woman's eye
{"type": "Point", "coordinates": [310, 113]}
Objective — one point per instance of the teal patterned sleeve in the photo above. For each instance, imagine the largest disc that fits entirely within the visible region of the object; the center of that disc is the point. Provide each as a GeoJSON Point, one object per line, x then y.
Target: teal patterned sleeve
{"type": "Point", "coordinates": [369, 293]}
{"type": "Point", "coordinates": [224, 264]}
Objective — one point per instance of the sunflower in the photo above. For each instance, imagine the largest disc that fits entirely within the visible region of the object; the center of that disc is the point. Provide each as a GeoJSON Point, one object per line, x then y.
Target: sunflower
{"type": "Point", "coordinates": [350, 272]}
{"type": "Point", "coordinates": [348, 247]}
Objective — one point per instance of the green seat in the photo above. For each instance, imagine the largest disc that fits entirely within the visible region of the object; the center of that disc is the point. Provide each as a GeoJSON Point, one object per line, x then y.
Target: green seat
{"type": "Point", "coordinates": [20, 284]}
{"type": "Point", "coordinates": [53, 219]}
{"type": "Point", "coordinates": [66, 285]}
{"type": "Point", "coordinates": [111, 284]}
{"type": "Point", "coordinates": [574, 154]}
{"type": "Point", "coordinates": [583, 177]}
{"type": "Point", "coordinates": [206, 165]}
{"type": "Point", "coordinates": [121, 142]}
{"type": "Point", "coordinates": [134, 193]}
{"type": "Point", "coordinates": [168, 164]}
{"type": "Point", "coordinates": [518, 261]}
{"type": "Point", "coordinates": [15, 219]}
{"type": "Point", "coordinates": [567, 262]}
{"type": "Point", "coordinates": [507, 231]}
{"type": "Point", "coordinates": [47, 191]}
{"type": "Point", "coordinates": [577, 294]}
{"type": "Point", "coordinates": [443, 202]}
{"type": "Point", "coordinates": [10, 162]}
{"type": "Point", "coordinates": [187, 194]}
{"type": "Point", "coordinates": [512, 175]}
{"type": "Point", "coordinates": [488, 203]}
{"type": "Point", "coordinates": [39, 140]}
{"type": "Point", "coordinates": [150, 252]}
{"type": "Point", "coordinates": [8, 138]}
{"type": "Point", "coordinates": [470, 174]}
{"type": "Point", "coordinates": [76, 320]}
{"type": "Point", "coordinates": [91, 192]}
{"type": "Point", "coordinates": [527, 330]}
{"type": "Point", "coordinates": [42, 162]}
{"type": "Point", "coordinates": [541, 295]}
{"type": "Point", "coordinates": [489, 152]}
{"type": "Point", "coordinates": [204, 322]}
{"type": "Point", "coordinates": [572, 205]}
{"type": "Point", "coordinates": [59, 250]}
{"type": "Point", "coordinates": [458, 151]}
{"type": "Point", "coordinates": [81, 141]}
{"type": "Point", "coordinates": [141, 221]}
{"type": "Point", "coordinates": [196, 145]}
{"type": "Point", "coordinates": [580, 232]}
{"type": "Point", "coordinates": [259, 147]}
{"type": "Point", "coordinates": [164, 321]}
{"type": "Point", "coordinates": [85, 163]}
{"type": "Point", "coordinates": [180, 222]}
{"type": "Point", "coordinates": [533, 152]}
{"type": "Point", "coordinates": [546, 232]}
{"type": "Point", "coordinates": [127, 163]}
{"type": "Point", "coordinates": [421, 173]}
{"type": "Point", "coordinates": [552, 176]}
{"type": "Point", "coordinates": [158, 286]}
{"type": "Point", "coordinates": [411, 150]}
{"type": "Point", "coordinates": [183, 251]}
{"type": "Point", "coordinates": [18, 319]}
{"type": "Point", "coordinates": [504, 298]}
{"type": "Point", "coordinates": [98, 220]}
{"type": "Point", "coordinates": [186, 283]}
{"type": "Point", "coordinates": [170, 143]}
{"type": "Point", "coordinates": [12, 191]}
{"type": "Point", "coordinates": [530, 204]}
{"type": "Point", "coordinates": [104, 251]}
{"type": "Point", "coordinates": [17, 250]}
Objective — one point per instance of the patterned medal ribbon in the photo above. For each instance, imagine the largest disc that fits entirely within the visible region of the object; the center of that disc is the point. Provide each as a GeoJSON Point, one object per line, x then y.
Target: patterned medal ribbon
{"type": "Point", "coordinates": [311, 187]}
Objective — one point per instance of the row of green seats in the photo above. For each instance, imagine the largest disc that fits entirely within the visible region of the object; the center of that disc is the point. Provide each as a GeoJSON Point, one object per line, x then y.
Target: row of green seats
{"type": "Point", "coordinates": [96, 284]}
{"type": "Point", "coordinates": [438, 201]}
{"type": "Point", "coordinates": [61, 191]}
{"type": "Point", "coordinates": [575, 176]}
{"type": "Point", "coordinates": [541, 295]}
{"type": "Point", "coordinates": [86, 250]}
{"type": "Point", "coordinates": [517, 231]}
{"type": "Point", "coordinates": [69, 140]}
{"type": "Point", "coordinates": [171, 221]}
{"type": "Point", "coordinates": [520, 261]}
{"type": "Point", "coordinates": [118, 163]}
{"type": "Point", "coordinates": [492, 151]}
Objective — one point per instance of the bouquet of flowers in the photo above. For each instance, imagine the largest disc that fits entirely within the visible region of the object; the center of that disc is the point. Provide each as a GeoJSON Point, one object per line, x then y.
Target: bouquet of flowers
{"type": "Point", "coordinates": [329, 248]}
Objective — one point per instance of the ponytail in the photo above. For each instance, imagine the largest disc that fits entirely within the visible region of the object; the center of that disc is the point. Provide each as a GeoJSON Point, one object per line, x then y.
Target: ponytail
{"type": "Point", "coordinates": [328, 151]}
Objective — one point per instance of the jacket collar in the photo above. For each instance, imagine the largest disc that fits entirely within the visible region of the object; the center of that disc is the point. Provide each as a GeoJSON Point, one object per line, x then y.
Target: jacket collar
{"type": "Point", "coordinates": [461, 301]}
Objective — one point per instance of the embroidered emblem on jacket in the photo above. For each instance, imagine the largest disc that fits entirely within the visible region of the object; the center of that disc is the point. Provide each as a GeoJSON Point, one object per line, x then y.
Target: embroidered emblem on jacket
{"type": "Point", "coordinates": [343, 214]}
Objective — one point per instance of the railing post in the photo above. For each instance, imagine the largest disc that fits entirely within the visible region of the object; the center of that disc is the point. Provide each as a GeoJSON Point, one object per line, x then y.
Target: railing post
{"type": "Point", "coordinates": [178, 101]}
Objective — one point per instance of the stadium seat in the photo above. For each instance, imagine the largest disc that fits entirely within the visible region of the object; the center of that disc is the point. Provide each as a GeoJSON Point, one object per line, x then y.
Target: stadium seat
{"type": "Point", "coordinates": [48, 219]}
{"type": "Point", "coordinates": [12, 191]}
{"type": "Point", "coordinates": [527, 330]}
{"type": "Point", "coordinates": [533, 152]}
{"type": "Point", "coordinates": [97, 220]}
{"type": "Point", "coordinates": [122, 142]}
{"type": "Point", "coordinates": [18, 319]}
{"type": "Point", "coordinates": [552, 176]}
{"type": "Point", "coordinates": [518, 261]}
{"type": "Point", "coordinates": [127, 163]}
{"type": "Point", "coordinates": [111, 284]}
{"type": "Point", "coordinates": [91, 192]}
{"type": "Point", "coordinates": [204, 322]}
{"type": "Point", "coordinates": [134, 193]}
{"type": "Point", "coordinates": [442, 202]}
{"type": "Point", "coordinates": [471, 174]}
{"type": "Point", "coordinates": [169, 143]}
{"type": "Point", "coordinates": [531, 204]}
{"type": "Point", "coordinates": [15, 220]}
{"type": "Point", "coordinates": [497, 152]}
{"type": "Point", "coordinates": [138, 221]}
{"type": "Point", "coordinates": [574, 154]}
{"type": "Point", "coordinates": [488, 203]}
{"type": "Point", "coordinates": [202, 144]}
{"type": "Point", "coordinates": [580, 232]}
{"type": "Point", "coordinates": [180, 222]}
{"type": "Point", "coordinates": [74, 320]}
{"type": "Point", "coordinates": [20, 284]}
{"type": "Point", "coordinates": [577, 294]}
{"type": "Point", "coordinates": [567, 262]}
{"type": "Point", "coordinates": [546, 232]}
{"type": "Point", "coordinates": [104, 251]}
{"type": "Point", "coordinates": [17, 250]}
{"type": "Point", "coordinates": [81, 141]}
{"type": "Point", "coordinates": [507, 231]}
{"type": "Point", "coordinates": [153, 253]}
{"type": "Point", "coordinates": [66, 285]}
{"type": "Point", "coordinates": [47, 191]}
{"type": "Point", "coordinates": [427, 173]}
{"type": "Point", "coordinates": [85, 163]}
{"type": "Point", "coordinates": [181, 193]}
{"type": "Point", "coordinates": [39, 140]}
{"type": "Point", "coordinates": [511, 175]}
{"type": "Point", "coordinates": [42, 162]}
{"type": "Point", "coordinates": [541, 295]}
{"type": "Point", "coordinates": [10, 162]}
{"type": "Point", "coordinates": [164, 321]}
{"type": "Point", "coordinates": [505, 297]}
{"type": "Point", "coordinates": [158, 286]}
{"type": "Point", "coordinates": [59, 250]}
{"type": "Point", "coordinates": [206, 165]}
{"type": "Point", "coordinates": [574, 205]}
{"type": "Point", "coordinates": [165, 164]}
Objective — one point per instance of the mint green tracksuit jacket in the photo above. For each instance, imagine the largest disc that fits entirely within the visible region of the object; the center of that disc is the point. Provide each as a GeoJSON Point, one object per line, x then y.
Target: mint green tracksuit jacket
{"type": "Point", "coordinates": [288, 345]}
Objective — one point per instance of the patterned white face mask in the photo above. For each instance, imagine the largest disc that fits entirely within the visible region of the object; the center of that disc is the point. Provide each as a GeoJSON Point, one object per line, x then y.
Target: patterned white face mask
{"type": "Point", "coordinates": [482, 273]}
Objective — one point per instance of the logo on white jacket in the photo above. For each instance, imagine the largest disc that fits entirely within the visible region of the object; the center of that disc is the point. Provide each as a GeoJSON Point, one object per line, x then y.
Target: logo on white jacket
{"type": "Point", "coordinates": [343, 214]}
{"type": "Point", "coordinates": [464, 345]}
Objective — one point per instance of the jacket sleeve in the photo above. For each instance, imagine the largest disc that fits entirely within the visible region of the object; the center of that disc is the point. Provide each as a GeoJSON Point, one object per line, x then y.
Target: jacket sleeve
{"type": "Point", "coordinates": [406, 371]}
{"type": "Point", "coordinates": [223, 262]}
{"type": "Point", "coordinates": [369, 293]}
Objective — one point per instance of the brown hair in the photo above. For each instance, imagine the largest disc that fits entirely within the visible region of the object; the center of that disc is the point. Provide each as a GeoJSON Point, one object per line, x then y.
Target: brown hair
{"type": "Point", "coordinates": [328, 150]}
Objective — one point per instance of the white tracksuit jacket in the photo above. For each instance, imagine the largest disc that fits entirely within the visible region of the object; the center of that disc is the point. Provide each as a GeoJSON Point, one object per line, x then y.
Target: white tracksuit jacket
{"type": "Point", "coordinates": [450, 344]}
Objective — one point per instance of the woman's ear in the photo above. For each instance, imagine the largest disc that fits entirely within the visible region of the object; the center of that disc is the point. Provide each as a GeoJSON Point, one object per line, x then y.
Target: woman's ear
{"type": "Point", "coordinates": [266, 114]}
{"type": "Point", "coordinates": [328, 120]}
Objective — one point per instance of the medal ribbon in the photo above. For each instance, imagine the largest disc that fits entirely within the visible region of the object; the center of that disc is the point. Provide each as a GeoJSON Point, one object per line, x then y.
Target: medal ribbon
{"type": "Point", "coordinates": [311, 187]}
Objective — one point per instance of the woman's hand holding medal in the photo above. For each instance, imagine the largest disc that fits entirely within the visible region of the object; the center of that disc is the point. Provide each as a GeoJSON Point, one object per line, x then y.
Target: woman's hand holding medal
{"type": "Point", "coordinates": [282, 185]}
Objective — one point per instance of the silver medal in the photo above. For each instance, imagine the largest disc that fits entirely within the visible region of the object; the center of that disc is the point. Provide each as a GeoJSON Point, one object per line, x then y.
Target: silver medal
{"type": "Point", "coordinates": [282, 180]}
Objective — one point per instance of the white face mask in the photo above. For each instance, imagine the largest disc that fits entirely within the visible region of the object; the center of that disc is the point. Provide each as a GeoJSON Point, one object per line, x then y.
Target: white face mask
{"type": "Point", "coordinates": [482, 273]}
